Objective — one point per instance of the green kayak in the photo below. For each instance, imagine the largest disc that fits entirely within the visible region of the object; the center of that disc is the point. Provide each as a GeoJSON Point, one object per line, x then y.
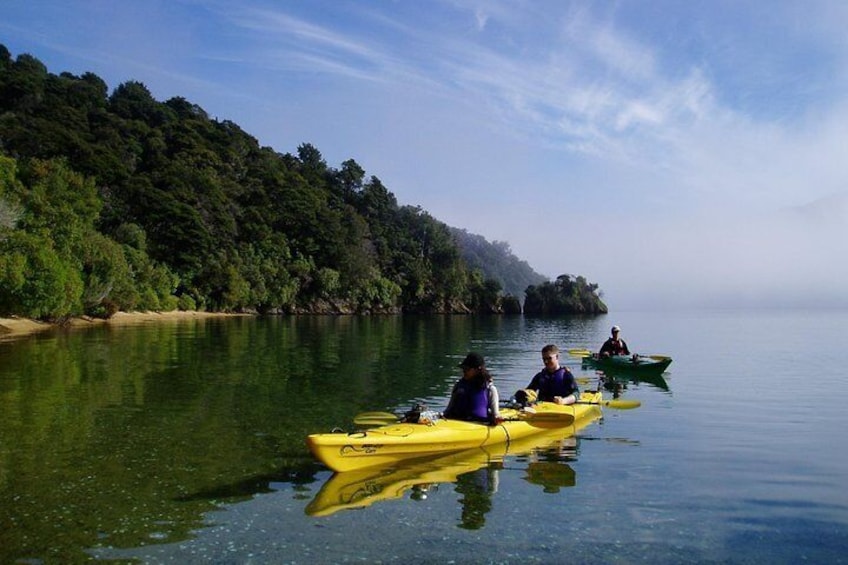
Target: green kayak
{"type": "Point", "coordinates": [628, 364]}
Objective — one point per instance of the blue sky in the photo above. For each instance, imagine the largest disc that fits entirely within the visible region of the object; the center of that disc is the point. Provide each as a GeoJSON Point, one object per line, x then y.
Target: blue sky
{"type": "Point", "coordinates": [677, 153]}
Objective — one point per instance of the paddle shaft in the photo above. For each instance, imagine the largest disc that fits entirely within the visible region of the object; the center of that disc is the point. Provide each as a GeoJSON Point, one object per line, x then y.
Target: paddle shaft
{"type": "Point", "coordinates": [387, 418]}
{"type": "Point", "coordinates": [619, 404]}
{"type": "Point", "coordinates": [586, 353]}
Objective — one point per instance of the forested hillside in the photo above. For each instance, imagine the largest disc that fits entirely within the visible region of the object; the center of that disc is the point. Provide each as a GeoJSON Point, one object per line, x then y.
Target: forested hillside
{"type": "Point", "coordinates": [496, 261]}
{"type": "Point", "coordinates": [120, 202]}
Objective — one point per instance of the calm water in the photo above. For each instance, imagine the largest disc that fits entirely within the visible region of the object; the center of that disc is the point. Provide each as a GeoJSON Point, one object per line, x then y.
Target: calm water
{"type": "Point", "coordinates": [184, 442]}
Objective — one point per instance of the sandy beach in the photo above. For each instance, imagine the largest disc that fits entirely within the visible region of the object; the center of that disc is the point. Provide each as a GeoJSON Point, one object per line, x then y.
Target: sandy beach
{"type": "Point", "coordinates": [20, 327]}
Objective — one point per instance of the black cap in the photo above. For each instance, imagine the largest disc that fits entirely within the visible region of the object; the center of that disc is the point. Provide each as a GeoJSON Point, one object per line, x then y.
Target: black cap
{"type": "Point", "coordinates": [473, 360]}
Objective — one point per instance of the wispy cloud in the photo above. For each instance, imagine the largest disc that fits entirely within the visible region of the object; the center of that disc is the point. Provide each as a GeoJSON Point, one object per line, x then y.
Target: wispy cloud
{"type": "Point", "coordinates": [286, 41]}
{"type": "Point", "coordinates": [693, 126]}
{"type": "Point", "coordinates": [590, 89]}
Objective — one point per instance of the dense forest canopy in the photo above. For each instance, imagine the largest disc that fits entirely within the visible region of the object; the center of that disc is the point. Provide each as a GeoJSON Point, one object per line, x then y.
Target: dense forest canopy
{"type": "Point", "coordinates": [568, 294]}
{"type": "Point", "coordinates": [120, 202]}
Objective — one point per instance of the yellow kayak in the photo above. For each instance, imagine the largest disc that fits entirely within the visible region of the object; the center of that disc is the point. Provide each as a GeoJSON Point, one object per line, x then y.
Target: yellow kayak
{"type": "Point", "coordinates": [390, 444]}
{"type": "Point", "coordinates": [364, 487]}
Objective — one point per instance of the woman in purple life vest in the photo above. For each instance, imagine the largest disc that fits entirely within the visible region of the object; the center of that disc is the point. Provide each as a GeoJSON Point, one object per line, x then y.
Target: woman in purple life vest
{"type": "Point", "coordinates": [554, 383]}
{"type": "Point", "coordinates": [614, 345]}
{"type": "Point", "coordinates": [474, 397]}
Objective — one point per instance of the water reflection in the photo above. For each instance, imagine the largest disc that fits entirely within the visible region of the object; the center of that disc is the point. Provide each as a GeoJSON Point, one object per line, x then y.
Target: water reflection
{"type": "Point", "coordinates": [474, 474]}
{"type": "Point", "coordinates": [124, 437]}
{"type": "Point", "coordinates": [549, 468]}
{"type": "Point", "coordinates": [476, 489]}
{"type": "Point", "coordinates": [617, 383]}
{"type": "Point", "coordinates": [249, 487]}
{"type": "Point", "coordinates": [96, 464]}
{"type": "Point", "coordinates": [551, 475]}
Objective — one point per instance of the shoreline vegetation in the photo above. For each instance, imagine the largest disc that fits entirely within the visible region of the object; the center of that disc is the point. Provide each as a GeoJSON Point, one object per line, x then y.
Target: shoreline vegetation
{"type": "Point", "coordinates": [14, 327]}
{"type": "Point", "coordinates": [113, 201]}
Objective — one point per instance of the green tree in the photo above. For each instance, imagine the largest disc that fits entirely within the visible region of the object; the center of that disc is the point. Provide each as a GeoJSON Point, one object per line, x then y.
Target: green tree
{"type": "Point", "coordinates": [10, 210]}
{"type": "Point", "coordinates": [563, 296]}
{"type": "Point", "coordinates": [150, 205]}
{"type": "Point", "coordinates": [108, 284]}
{"type": "Point", "coordinates": [35, 281]}
{"type": "Point", "coordinates": [58, 202]}
{"type": "Point", "coordinates": [133, 101]}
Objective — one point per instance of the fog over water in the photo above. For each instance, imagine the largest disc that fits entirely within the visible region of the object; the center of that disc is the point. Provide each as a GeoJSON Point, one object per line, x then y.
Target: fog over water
{"type": "Point", "coordinates": [793, 259]}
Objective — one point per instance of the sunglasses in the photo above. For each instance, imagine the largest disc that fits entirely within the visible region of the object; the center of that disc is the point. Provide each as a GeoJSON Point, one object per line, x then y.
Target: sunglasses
{"type": "Point", "coordinates": [547, 358]}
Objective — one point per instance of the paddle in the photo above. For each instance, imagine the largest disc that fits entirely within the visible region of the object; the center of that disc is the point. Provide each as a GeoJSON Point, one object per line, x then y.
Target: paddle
{"type": "Point", "coordinates": [375, 419]}
{"type": "Point", "coordinates": [369, 419]}
{"type": "Point", "coordinates": [586, 353]}
{"type": "Point", "coordinates": [544, 417]}
{"type": "Point", "coordinates": [618, 404]}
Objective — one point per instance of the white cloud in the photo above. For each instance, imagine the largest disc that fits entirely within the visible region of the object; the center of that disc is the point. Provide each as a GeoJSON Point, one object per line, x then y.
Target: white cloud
{"type": "Point", "coordinates": [481, 18]}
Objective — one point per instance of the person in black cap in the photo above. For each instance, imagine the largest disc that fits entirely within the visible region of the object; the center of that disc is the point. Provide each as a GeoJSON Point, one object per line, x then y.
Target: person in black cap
{"type": "Point", "coordinates": [614, 345]}
{"type": "Point", "coordinates": [474, 397]}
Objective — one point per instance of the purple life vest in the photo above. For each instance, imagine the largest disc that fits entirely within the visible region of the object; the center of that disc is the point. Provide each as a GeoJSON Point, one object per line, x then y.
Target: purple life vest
{"type": "Point", "coordinates": [470, 402]}
{"type": "Point", "coordinates": [559, 383]}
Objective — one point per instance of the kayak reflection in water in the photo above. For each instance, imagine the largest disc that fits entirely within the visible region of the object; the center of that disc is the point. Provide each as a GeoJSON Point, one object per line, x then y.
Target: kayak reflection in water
{"type": "Point", "coordinates": [613, 385]}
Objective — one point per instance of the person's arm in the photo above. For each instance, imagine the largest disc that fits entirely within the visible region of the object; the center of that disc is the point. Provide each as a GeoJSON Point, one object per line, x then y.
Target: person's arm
{"type": "Point", "coordinates": [494, 405]}
{"type": "Point", "coordinates": [604, 348]}
{"type": "Point", "coordinates": [624, 345]}
{"type": "Point", "coordinates": [448, 412]}
{"type": "Point", "coordinates": [571, 384]}
{"type": "Point", "coordinates": [576, 393]}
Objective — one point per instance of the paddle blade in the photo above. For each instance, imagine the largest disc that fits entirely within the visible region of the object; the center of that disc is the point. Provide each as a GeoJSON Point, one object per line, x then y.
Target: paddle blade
{"type": "Point", "coordinates": [659, 357]}
{"type": "Point", "coordinates": [369, 419]}
{"type": "Point", "coordinates": [617, 404]}
{"type": "Point", "coordinates": [580, 352]}
{"type": "Point", "coordinates": [549, 418]}
{"type": "Point", "coordinates": [620, 404]}
{"type": "Point", "coordinates": [376, 415]}
{"type": "Point", "coordinates": [373, 422]}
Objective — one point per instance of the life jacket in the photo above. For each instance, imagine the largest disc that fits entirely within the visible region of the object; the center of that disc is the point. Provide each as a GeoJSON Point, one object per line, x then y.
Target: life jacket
{"type": "Point", "coordinates": [470, 402]}
{"type": "Point", "coordinates": [615, 347]}
{"type": "Point", "coordinates": [558, 383]}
